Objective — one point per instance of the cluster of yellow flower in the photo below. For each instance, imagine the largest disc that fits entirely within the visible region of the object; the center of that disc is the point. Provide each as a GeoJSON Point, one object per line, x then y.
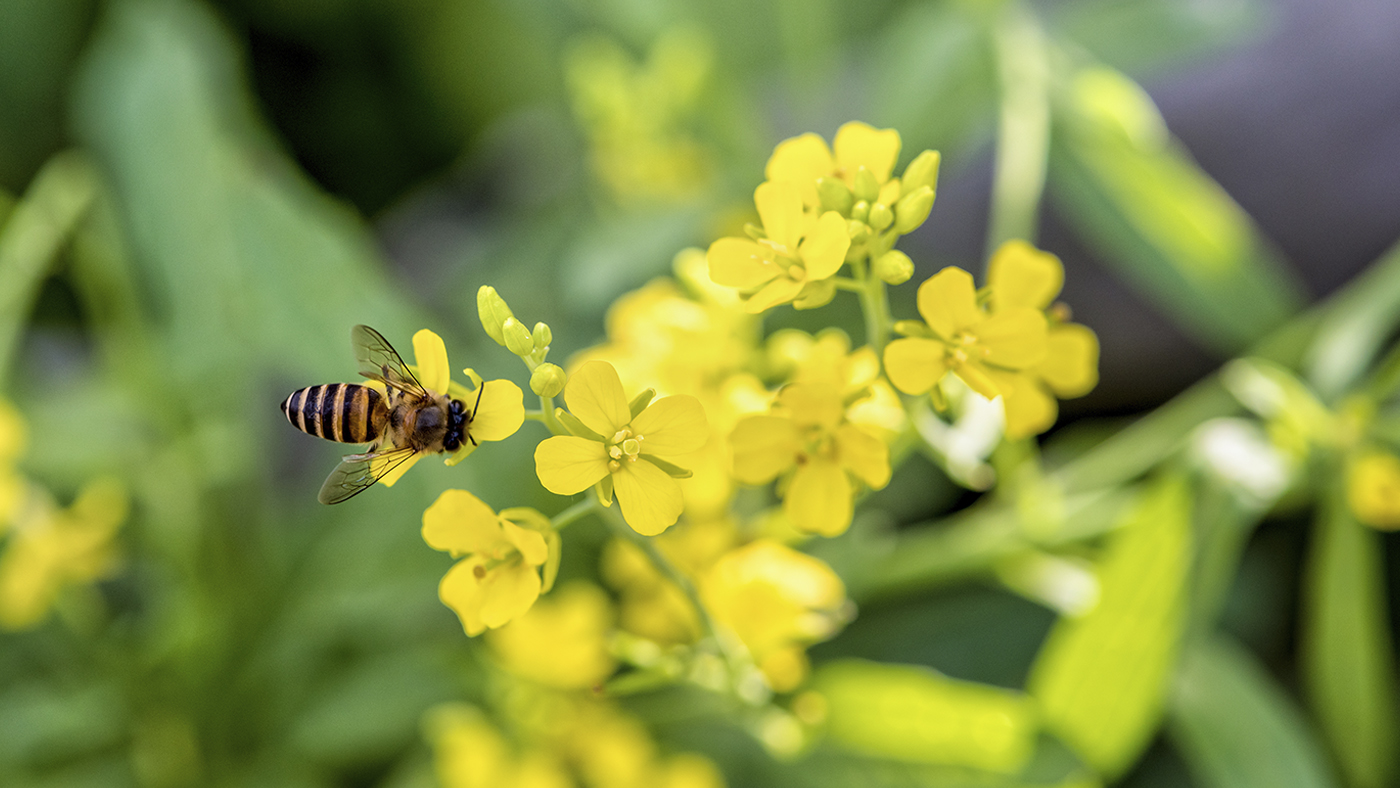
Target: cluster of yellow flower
{"type": "Point", "coordinates": [48, 549]}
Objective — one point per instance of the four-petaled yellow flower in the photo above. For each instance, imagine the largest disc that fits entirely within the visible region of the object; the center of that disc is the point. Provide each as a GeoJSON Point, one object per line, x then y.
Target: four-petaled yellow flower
{"type": "Point", "coordinates": [1023, 277]}
{"type": "Point", "coordinates": [626, 449]}
{"type": "Point", "coordinates": [806, 435]}
{"type": "Point", "coordinates": [800, 250]}
{"type": "Point", "coordinates": [803, 159]}
{"type": "Point", "coordinates": [562, 642]}
{"type": "Point", "coordinates": [1373, 489]}
{"type": "Point", "coordinates": [499, 578]}
{"type": "Point", "coordinates": [499, 411]}
{"type": "Point", "coordinates": [962, 338]}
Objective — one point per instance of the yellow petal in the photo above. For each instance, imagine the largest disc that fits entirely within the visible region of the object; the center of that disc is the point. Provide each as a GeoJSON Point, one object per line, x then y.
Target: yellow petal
{"type": "Point", "coordinates": [780, 207]}
{"type": "Point", "coordinates": [431, 356]}
{"type": "Point", "coordinates": [948, 302]}
{"type": "Point", "coordinates": [1373, 489]}
{"type": "Point", "coordinates": [394, 475]}
{"type": "Point", "coordinates": [672, 425]}
{"type": "Point", "coordinates": [460, 590]}
{"type": "Point", "coordinates": [594, 395]}
{"type": "Point", "coordinates": [819, 498]}
{"type": "Point", "coordinates": [778, 291]}
{"type": "Point", "coordinates": [824, 252]}
{"type": "Point", "coordinates": [1030, 410]}
{"type": "Point", "coordinates": [801, 160]}
{"type": "Point", "coordinates": [530, 543]}
{"type": "Point", "coordinates": [1071, 364]}
{"type": "Point", "coordinates": [1014, 338]}
{"type": "Point", "coordinates": [568, 465]}
{"type": "Point", "coordinates": [508, 592]}
{"type": "Point", "coordinates": [915, 365]}
{"type": "Point", "coordinates": [500, 411]}
{"type": "Point", "coordinates": [739, 262]}
{"type": "Point", "coordinates": [860, 144]}
{"type": "Point", "coordinates": [764, 446]}
{"type": "Point", "coordinates": [651, 500]}
{"type": "Point", "coordinates": [978, 378]}
{"type": "Point", "coordinates": [461, 524]}
{"type": "Point", "coordinates": [864, 455]}
{"type": "Point", "coordinates": [1022, 276]}
{"type": "Point", "coordinates": [812, 404]}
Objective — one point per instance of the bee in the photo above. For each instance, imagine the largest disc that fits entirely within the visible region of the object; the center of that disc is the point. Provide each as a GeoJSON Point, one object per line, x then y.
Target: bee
{"type": "Point", "coordinates": [404, 421]}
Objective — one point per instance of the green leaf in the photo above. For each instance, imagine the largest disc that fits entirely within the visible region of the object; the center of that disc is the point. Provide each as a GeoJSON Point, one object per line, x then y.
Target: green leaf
{"type": "Point", "coordinates": [1346, 647]}
{"type": "Point", "coordinates": [1142, 35]}
{"type": "Point", "coordinates": [915, 714]}
{"type": "Point", "coordinates": [1161, 221]}
{"type": "Point", "coordinates": [1102, 679]}
{"type": "Point", "coordinates": [1359, 322]}
{"type": "Point", "coordinates": [1236, 728]}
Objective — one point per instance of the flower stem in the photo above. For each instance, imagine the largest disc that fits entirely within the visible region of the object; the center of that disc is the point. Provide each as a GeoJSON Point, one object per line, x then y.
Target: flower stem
{"type": "Point", "coordinates": [578, 511]}
{"type": "Point", "coordinates": [545, 415]}
{"type": "Point", "coordinates": [875, 305]}
{"type": "Point", "coordinates": [1023, 134]}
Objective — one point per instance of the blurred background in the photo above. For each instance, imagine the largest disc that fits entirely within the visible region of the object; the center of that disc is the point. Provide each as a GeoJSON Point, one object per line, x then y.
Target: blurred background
{"type": "Point", "coordinates": [254, 177]}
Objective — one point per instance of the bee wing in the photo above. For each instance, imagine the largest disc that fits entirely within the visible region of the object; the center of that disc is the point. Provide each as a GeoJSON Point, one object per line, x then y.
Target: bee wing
{"type": "Point", "coordinates": [379, 361]}
{"type": "Point", "coordinates": [359, 472]}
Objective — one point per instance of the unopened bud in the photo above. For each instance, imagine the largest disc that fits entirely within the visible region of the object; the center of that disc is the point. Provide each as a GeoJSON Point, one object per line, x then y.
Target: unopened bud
{"type": "Point", "coordinates": [492, 310]}
{"type": "Point", "coordinates": [858, 231]}
{"type": "Point", "coordinates": [912, 209]}
{"type": "Point", "coordinates": [547, 380]}
{"type": "Point", "coordinates": [894, 267]}
{"type": "Point", "coordinates": [922, 171]}
{"type": "Point", "coordinates": [866, 187]}
{"type": "Point", "coordinates": [860, 211]}
{"type": "Point", "coordinates": [541, 336]}
{"type": "Point", "coordinates": [517, 337]}
{"type": "Point", "coordinates": [880, 216]}
{"type": "Point", "coordinates": [835, 195]}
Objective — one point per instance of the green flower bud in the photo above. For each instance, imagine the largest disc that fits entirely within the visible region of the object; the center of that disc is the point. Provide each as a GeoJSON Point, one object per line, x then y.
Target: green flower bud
{"type": "Point", "coordinates": [912, 328]}
{"type": "Point", "coordinates": [922, 171]}
{"type": "Point", "coordinates": [835, 195]}
{"type": "Point", "coordinates": [860, 211]}
{"type": "Point", "coordinates": [492, 310]}
{"type": "Point", "coordinates": [547, 380]}
{"type": "Point", "coordinates": [880, 216]}
{"type": "Point", "coordinates": [815, 294]}
{"type": "Point", "coordinates": [858, 230]}
{"type": "Point", "coordinates": [541, 336]}
{"type": "Point", "coordinates": [866, 187]}
{"type": "Point", "coordinates": [894, 267]}
{"type": "Point", "coordinates": [517, 336]}
{"type": "Point", "coordinates": [912, 209]}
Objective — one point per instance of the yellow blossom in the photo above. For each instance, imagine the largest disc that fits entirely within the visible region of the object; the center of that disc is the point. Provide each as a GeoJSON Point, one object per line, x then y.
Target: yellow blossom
{"type": "Point", "coordinates": [776, 601]}
{"type": "Point", "coordinates": [631, 451]}
{"type": "Point", "coordinates": [802, 160]}
{"type": "Point", "coordinates": [468, 752]}
{"type": "Point", "coordinates": [807, 435]}
{"type": "Point", "coordinates": [562, 641]}
{"type": "Point", "coordinates": [960, 337]}
{"type": "Point", "coordinates": [498, 580]}
{"type": "Point", "coordinates": [799, 250]}
{"type": "Point", "coordinates": [1373, 489]}
{"type": "Point", "coordinates": [495, 415]}
{"type": "Point", "coordinates": [1023, 277]}
{"type": "Point", "coordinates": [651, 605]}
{"type": "Point", "coordinates": [12, 439]}
{"type": "Point", "coordinates": [827, 359]}
{"type": "Point", "coordinates": [52, 549]}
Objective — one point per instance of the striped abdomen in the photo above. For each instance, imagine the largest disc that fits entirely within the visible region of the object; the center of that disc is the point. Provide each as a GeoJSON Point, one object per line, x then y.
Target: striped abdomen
{"type": "Point", "coordinates": [343, 412]}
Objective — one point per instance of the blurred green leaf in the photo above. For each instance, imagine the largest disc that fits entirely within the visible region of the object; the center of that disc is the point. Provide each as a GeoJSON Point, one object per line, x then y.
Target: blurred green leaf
{"type": "Point", "coordinates": [1102, 679]}
{"type": "Point", "coordinates": [1141, 35]}
{"type": "Point", "coordinates": [1346, 650]}
{"type": "Point", "coordinates": [1159, 220]}
{"type": "Point", "coordinates": [1236, 727]}
{"type": "Point", "coordinates": [1359, 321]}
{"type": "Point", "coordinates": [915, 714]}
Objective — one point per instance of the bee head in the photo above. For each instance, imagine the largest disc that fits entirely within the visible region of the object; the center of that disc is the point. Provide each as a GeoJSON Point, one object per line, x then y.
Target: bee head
{"type": "Point", "coordinates": [456, 425]}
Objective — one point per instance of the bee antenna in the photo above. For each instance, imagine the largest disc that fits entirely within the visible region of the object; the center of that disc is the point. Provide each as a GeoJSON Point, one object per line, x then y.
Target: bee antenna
{"type": "Point", "coordinates": [478, 403]}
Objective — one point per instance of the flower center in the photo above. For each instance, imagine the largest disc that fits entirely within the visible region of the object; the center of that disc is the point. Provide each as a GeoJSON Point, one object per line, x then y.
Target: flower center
{"type": "Point", "coordinates": [964, 347]}
{"type": "Point", "coordinates": [626, 446]}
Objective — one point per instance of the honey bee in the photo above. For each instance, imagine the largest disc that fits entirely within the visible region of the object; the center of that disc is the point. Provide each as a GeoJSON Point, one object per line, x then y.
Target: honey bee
{"type": "Point", "coordinates": [404, 421]}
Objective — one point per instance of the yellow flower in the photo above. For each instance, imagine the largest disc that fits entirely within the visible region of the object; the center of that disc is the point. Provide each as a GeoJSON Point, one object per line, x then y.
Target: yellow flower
{"type": "Point", "coordinates": [495, 415]}
{"type": "Point", "coordinates": [776, 601]}
{"type": "Point", "coordinates": [651, 605]}
{"type": "Point", "coordinates": [1373, 489]}
{"type": "Point", "coordinates": [807, 435]}
{"type": "Point", "coordinates": [12, 439]}
{"type": "Point", "coordinates": [802, 160]}
{"type": "Point", "coordinates": [1023, 277]}
{"type": "Point", "coordinates": [629, 450]}
{"type": "Point", "coordinates": [468, 752]}
{"type": "Point", "coordinates": [799, 250]}
{"type": "Point", "coordinates": [499, 579]}
{"type": "Point", "coordinates": [50, 550]}
{"type": "Point", "coordinates": [827, 359]}
{"type": "Point", "coordinates": [562, 642]}
{"type": "Point", "coordinates": [960, 337]}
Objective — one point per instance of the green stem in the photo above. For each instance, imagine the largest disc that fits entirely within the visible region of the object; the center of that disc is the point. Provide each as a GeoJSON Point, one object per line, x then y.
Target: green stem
{"type": "Point", "coordinates": [1023, 133]}
{"type": "Point", "coordinates": [578, 511]}
{"type": "Point", "coordinates": [545, 415]}
{"type": "Point", "coordinates": [848, 284]}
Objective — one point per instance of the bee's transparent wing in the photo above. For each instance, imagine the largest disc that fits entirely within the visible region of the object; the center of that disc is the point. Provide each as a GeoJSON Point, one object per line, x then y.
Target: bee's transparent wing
{"type": "Point", "coordinates": [359, 472]}
{"type": "Point", "coordinates": [379, 361]}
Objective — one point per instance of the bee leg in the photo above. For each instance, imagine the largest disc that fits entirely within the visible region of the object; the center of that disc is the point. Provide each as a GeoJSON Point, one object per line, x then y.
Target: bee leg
{"type": "Point", "coordinates": [478, 402]}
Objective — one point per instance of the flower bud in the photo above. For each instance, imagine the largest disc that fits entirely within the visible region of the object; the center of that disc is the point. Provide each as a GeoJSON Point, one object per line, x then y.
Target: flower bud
{"type": "Point", "coordinates": [492, 310]}
{"type": "Point", "coordinates": [541, 336]}
{"type": "Point", "coordinates": [912, 209]}
{"type": "Point", "coordinates": [880, 216]}
{"type": "Point", "coordinates": [517, 337]}
{"type": "Point", "coordinates": [922, 171]}
{"type": "Point", "coordinates": [547, 380]}
{"type": "Point", "coordinates": [866, 187]}
{"type": "Point", "coordinates": [858, 231]}
{"type": "Point", "coordinates": [835, 195]}
{"type": "Point", "coordinates": [894, 267]}
{"type": "Point", "coordinates": [815, 294]}
{"type": "Point", "coordinates": [860, 211]}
